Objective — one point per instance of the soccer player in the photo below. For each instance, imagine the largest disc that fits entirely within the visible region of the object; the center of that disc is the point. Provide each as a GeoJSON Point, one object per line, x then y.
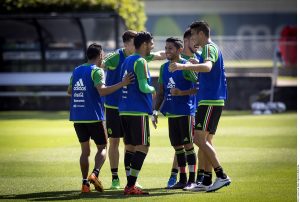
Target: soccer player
{"type": "Point", "coordinates": [190, 50]}
{"type": "Point", "coordinates": [211, 95]}
{"type": "Point", "coordinates": [180, 110]}
{"type": "Point", "coordinates": [134, 107]}
{"type": "Point", "coordinates": [112, 63]}
{"type": "Point", "coordinates": [86, 111]}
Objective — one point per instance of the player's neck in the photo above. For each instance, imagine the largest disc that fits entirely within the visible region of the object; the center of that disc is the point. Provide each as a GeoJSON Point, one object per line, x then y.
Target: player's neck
{"type": "Point", "coordinates": [127, 52]}
{"type": "Point", "coordinates": [141, 53]}
{"type": "Point", "coordinates": [92, 62]}
{"type": "Point", "coordinates": [205, 42]}
{"type": "Point", "coordinates": [187, 52]}
{"type": "Point", "coordinates": [176, 59]}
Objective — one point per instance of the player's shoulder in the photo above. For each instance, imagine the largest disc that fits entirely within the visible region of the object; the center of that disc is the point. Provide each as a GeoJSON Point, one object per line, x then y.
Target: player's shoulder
{"type": "Point", "coordinates": [141, 60]}
{"type": "Point", "coordinates": [112, 55]}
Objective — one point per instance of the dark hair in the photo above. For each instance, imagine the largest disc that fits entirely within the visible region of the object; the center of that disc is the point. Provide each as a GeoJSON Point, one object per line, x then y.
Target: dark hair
{"type": "Point", "coordinates": [201, 26]}
{"type": "Point", "coordinates": [142, 37]}
{"type": "Point", "coordinates": [187, 33]}
{"type": "Point", "coordinates": [128, 35]}
{"type": "Point", "coordinates": [177, 42]}
{"type": "Point", "coordinates": [93, 51]}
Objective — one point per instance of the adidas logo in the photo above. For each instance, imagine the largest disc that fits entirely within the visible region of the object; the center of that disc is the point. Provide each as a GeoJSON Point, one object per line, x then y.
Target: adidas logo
{"type": "Point", "coordinates": [186, 139]}
{"type": "Point", "coordinates": [79, 85]}
{"type": "Point", "coordinates": [199, 125]}
{"type": "Point", "coordinates": [171, 83]}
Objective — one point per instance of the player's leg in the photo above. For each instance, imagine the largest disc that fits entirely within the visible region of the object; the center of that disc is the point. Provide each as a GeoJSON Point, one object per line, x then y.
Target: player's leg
{"type": "Point", "coordinates": [207, 176]}
{"type": "Point", "coordinates": [113, 154]}
{"type": "Point", "coordinates": [201, 166]}
{"type": "Point", "coordinates": [177, 143]}
{"type": "Point", "coordinates": [99, 135]}
{"type": "Point", "coordinates": [115, 132]}
{"type": "Point", "coordinates": [140, 136]}
{"type": "Point", "coordinates": [173, 177]}
{"type": "Point", "coordinates": [211, 116]}
{"type": "Point", "coordinates": [83, 138]}
{"type": "Point", "coordinates": [84, 165]}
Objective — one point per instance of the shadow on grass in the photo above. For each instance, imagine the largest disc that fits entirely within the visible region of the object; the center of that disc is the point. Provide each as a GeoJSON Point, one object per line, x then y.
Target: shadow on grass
{"type": "Point", "coordinates": [76, 195]}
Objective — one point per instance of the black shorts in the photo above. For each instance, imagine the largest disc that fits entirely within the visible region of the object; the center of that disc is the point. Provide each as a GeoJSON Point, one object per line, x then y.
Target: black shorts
{"type": "Point", "coordinates": [95, 131]}
{"type": "Point", "coordinates": [136, 130]}
{"type": "Point", "coordinates": [113, 123]}
{"type": "Point", "coordinates": [207, 118]}
{"type": "Point", "coordinates": [181, 130]}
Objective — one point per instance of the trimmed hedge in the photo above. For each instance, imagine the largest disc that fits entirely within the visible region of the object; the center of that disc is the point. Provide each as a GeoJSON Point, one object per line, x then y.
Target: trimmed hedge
{"type": "Point", "coordinates": [132, 11]}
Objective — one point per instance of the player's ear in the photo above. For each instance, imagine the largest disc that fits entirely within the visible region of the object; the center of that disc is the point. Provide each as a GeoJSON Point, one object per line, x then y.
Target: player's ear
{"type": "Point", "coordinates": [180, 50]}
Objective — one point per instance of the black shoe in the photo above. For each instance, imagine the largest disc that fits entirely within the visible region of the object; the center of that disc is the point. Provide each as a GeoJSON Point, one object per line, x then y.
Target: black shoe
{"type": "Point", "coordinates": [178, 185]}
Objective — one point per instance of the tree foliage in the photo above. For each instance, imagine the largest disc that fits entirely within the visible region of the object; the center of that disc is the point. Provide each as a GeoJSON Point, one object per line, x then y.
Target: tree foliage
{"type": "Point", "coordinates": [132, 11]}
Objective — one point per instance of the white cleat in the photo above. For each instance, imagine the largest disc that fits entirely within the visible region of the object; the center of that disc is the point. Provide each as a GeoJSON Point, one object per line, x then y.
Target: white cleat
{"type": "Point", "coordinates": [218, 184]}
{"type": "Point", "coordinates": [200, 187]}
{"type": "Point", "coordinates": [190, 186]}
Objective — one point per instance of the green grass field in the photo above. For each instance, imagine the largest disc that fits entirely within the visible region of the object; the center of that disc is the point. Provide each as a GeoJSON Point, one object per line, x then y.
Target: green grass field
{"type": "Point", "coordinates": [39, 160]}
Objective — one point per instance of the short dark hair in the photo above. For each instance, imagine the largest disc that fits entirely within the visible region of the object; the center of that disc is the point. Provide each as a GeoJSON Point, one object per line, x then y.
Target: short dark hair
{"type": "Point", "coordinates": [142, 37]}
{"type": "Point", "coordinates": [177, 42]}
{"type": "Point", "coordinates": [201, 26]}
{"type": "Point", "coordinates": [93, 51]}
{"type": "Point", "coordinates": [187, 33]}
{"type": "Point", "coordinates": [128, 35]}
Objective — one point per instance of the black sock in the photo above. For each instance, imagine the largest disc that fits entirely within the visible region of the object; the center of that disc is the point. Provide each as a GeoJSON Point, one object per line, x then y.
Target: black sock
{"type": "Point", "coordinates": [200, 174]}
{"type": "Point", "coordinates": [181, 159]}
{"type": "Point", "coordinates": [174, 172]}
{"type": "Point", "coordinates": [191, 160]}
{"type": "Point", "coordinates": [114, 173]}
{"type": "Point", "coordinates": [207, 178]}
{"type": "Point", "coordinates": [127, 160]}
{"type": "Point", "coordinates": [85, 182]}
{"type": "Point", "coordinates": [96, 171]}
{"type": "Point", "coordinates": [136, 165]}
{"type": "Point", "coordinates": [220, 173]}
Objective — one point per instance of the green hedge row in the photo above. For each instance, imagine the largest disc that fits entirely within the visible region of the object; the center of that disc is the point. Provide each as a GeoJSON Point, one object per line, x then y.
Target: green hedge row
{"type": "Point", "coordinates": [132, 11]}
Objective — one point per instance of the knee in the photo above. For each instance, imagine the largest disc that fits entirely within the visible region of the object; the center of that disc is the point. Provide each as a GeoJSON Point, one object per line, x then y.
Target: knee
{"type": "Point", "coordinates": [142, 148]}
{"type": "Point", "coordinates": [188, 146]}
{"type": "Point", "coordinates": [114, 142]}
{"type": "Point", "coordinates": [86, 153]}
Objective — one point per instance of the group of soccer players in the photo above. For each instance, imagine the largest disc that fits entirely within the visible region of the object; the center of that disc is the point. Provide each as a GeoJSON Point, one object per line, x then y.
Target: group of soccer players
{"type": "Point", "coordinates": [191, 93]}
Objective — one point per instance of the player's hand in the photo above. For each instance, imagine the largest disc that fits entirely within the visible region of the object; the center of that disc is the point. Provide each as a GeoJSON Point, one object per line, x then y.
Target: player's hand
{"type": "Point", "coordinates": [175, 92]}
{"type": "Point", "coordinates": [194, 61]}
{"type": "Point", "coordinates": [175, 66]}
{"type": "Point", "coordinates": [128, 79]}
{"type": "Point", "coordinates": [154, 118]}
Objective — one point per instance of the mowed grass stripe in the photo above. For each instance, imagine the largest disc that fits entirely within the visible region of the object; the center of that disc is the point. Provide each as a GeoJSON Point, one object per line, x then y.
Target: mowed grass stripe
{"type": "Point", "coordinates": [39, 160]}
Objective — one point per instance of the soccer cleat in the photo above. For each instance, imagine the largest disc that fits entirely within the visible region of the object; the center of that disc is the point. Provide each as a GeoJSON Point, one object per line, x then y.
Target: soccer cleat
{"type": "Point", "coordinates": [200, 187]}
{"type": "Point", "coordinates": [96, 182]}
{"type": "Point", "coordinates": [133, 190]}
{"type": "Point", "coordinates": [85, 188]}
{"type": "Point", "coordinates": [115, 184]}
{"type": "Point", "coordinates": [189, 186]}
{"type": "Point", "coordinates": [172, 181]}
{"type": "Point", "coordinates": [138, 185]}
{"type": "Point", "coordinates": [178, 185]}
{"type": "Point", "coordinates": [218, 184]}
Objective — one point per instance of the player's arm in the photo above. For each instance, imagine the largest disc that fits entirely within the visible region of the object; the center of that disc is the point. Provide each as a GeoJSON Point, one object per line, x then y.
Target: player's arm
{"type": "Point", "coordinates": [177, 92]}
{"type": "Point", "coordinates": [69, 90]}
{"type": "Point", "coordinates": [160, 92]}
{"type": "Point", "coordinates": [141, 71]}
{"type": "Point", "coordinates": [159, 55]}
{"type": "Point", "coordinates": [111, 61]}
{"type": "Point", "coordinates": [210, 55]}
{"type": "Point", "coordinates": [99, 82]}
{"type": "Point", "coordinates": [202, 67]}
